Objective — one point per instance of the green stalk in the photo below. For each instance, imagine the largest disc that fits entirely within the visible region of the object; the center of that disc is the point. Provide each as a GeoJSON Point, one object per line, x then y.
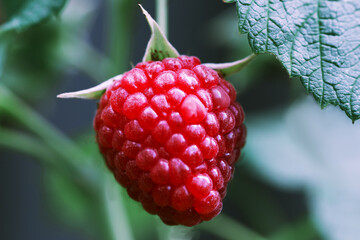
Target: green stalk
{"type": "Point", "coordinates": [226, 228]}
{"type": "Point", "coordinates": [120, 33]}
{"type": "Point", "coordinates": [36, 149]}
{"type": "Point", "coordinates": [115, 210]}
{"type": "Point", "coordinates": [162, 15]}
{"type": "Point", "coordinates": [20, 142]}
{"type": "Point", "coordinates": [11, 105]}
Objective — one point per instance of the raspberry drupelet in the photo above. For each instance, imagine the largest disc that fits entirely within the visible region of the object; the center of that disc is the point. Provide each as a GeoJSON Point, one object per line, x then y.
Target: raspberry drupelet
{"type": "Point", "coordinates": [171, 132]}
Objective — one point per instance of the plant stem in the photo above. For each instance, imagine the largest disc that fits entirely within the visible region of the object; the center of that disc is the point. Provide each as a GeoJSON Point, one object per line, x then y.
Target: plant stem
{"type": "Point", "coordinates": [229, 229]}
{"type": "Point", "coordinates": [162, 15]}
{"type": "Point", "coordinates": [115, 210]}
{"type": "Point", "coordinates": [32, 147]}
{"type": "Point", "coordinates": [25, 144]}
{"type": "Point", "coordinates": [65, 148]}
{"type": "Point", "coordinates": [120, 33]}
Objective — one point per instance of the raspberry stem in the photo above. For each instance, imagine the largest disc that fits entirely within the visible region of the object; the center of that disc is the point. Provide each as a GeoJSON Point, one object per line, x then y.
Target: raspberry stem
{"type": "Point", "coordinates": [162, 15]}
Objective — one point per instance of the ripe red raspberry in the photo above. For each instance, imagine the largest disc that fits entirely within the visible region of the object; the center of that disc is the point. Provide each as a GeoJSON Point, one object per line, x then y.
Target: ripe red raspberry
{"type": "Point", "coordinates": [171, 132]}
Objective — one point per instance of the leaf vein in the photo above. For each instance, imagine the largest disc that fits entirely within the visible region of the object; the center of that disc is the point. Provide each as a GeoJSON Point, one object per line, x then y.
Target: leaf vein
{"type": "Point", "coordinates": [294, 38]}
{"type": "Point", "coordinates": [246, 14]}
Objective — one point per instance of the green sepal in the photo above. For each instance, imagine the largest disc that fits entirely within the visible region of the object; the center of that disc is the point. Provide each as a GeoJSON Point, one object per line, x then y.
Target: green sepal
{"type": "Point", "coordinates": [226, 69]}
{"type": "Point", "coordinates": [158, 46]}
{"type": "Point", "coordinates": [91, 93]}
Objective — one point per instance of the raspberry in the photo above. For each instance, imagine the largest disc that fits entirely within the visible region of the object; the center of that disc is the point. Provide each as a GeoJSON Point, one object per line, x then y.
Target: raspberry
{"type": "Point", "coordinates": [171, 133]}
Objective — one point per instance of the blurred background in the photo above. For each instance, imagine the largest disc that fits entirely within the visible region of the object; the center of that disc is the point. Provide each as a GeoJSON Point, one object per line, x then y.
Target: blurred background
{"type": "Point", "coordinates": [298, 177]}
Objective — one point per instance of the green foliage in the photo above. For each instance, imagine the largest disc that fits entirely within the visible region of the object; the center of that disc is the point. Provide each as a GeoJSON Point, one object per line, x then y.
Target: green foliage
{"type": "Point", "coordinates": [18, 15]}
{"type": "Point", "coordinates": [31, 63]}
{"type": "Point", "coordinates": [22, 14]}
{"type": "Point", "coordinates": [316, 40]}
{"type": "Point", "coordinates": [72, 206]}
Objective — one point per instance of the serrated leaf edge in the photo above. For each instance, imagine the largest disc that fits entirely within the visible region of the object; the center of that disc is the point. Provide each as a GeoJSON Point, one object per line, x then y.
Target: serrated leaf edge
{"type": "Point", "coordinates": [323, 103]}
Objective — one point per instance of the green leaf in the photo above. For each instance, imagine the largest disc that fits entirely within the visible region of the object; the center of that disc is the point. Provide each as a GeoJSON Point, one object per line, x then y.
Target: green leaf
{"type": "Point", "coordinates": [319, 41]}
{"type": "Point", "coordinates": [158, 46]}
{"type": "Point", "coordinates": [31, 65]}
{"type": "Point", "coordinates": [23, 14]}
